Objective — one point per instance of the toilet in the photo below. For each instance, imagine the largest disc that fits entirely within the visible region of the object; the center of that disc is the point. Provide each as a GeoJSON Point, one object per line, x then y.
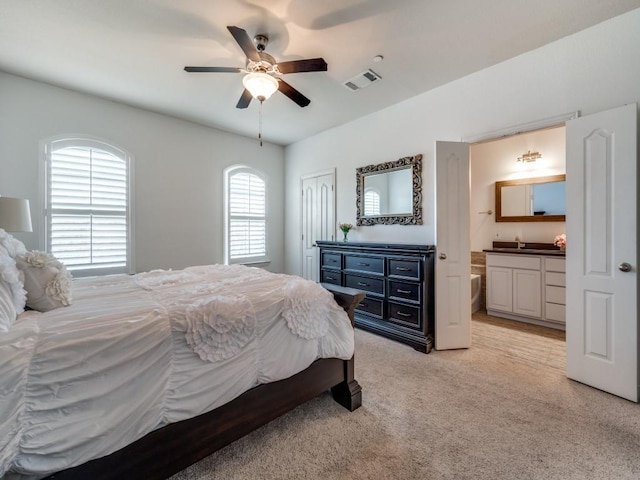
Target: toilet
{"type": "Point", "coordinates": [476, 286]}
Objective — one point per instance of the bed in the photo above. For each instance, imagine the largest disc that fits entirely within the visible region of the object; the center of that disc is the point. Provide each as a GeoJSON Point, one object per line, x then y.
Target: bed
{"type": "Point", "coordinates": [144, 375]}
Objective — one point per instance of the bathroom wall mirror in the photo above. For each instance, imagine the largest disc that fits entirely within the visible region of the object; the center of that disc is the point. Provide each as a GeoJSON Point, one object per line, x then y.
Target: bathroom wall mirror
{"type": "Point", "coordinates": [390, 193]}
{"type": "Point", "coordinates": [539, 199]}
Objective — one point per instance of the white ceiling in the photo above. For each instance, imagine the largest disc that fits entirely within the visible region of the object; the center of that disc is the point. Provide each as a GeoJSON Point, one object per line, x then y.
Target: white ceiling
{"type": "Point", "coordinates": [134, 51]}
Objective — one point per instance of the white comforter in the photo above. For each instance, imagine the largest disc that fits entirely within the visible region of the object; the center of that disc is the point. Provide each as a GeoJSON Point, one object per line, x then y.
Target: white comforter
{"type": "Point", "coordinates": [83, 381]}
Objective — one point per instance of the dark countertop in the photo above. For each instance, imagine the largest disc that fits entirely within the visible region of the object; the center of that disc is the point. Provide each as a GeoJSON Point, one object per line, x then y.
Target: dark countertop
{"type": "Point", "coordinates": [527, 251]}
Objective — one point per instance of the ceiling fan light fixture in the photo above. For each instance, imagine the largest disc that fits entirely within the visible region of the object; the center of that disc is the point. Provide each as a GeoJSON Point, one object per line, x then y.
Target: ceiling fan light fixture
{"type": "Point", "coordinates": [261, 85]}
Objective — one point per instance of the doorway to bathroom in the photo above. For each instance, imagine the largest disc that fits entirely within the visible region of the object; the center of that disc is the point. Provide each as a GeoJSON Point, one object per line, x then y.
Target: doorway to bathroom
{"type": "Point", "coordinates": [537, 336]}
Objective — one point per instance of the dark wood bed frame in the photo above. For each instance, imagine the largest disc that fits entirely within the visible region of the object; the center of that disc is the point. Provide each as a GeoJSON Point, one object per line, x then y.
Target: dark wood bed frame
{"type": "Point", "coordinates": [166, 451]}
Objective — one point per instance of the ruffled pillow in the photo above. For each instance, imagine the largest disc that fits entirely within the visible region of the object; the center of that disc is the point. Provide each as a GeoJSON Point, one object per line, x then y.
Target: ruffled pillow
{"type": "Point", "coordinates": [12, 295]}
{"type": "Point", "coordinates": [46, 280]}
{"type": "Point", "coordinates": [11, 245]}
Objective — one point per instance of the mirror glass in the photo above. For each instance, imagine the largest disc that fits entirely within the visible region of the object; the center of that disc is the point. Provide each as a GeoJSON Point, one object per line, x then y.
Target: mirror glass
{"type": "Point", "coordinates": [378, 187]}
{"type": "Point", "coordinates": [390, 193]}
{"type": "Point", "coordinates": [540, 199]}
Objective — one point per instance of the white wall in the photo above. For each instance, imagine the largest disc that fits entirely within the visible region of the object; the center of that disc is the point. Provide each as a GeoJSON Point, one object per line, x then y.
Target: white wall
{"type": "Point", "coordinates": [496, 161]}
{"type": "Point", "coordinates": [590, 71]}
{"type": "Point", "coordinates": [178, 169]}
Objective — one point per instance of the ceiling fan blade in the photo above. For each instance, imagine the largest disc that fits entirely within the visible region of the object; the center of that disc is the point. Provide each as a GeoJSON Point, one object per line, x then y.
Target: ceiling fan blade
{"type": "Point", "coordinates": [245, 43]}
{"type": "Point", "coordinates": [293, 94]}
{"type": "Point", "coordinates": [213, 69]}
{"type": "Point", "coordinates": [309, 65]}
{"type": "Point", "coordinates": [245, 99]}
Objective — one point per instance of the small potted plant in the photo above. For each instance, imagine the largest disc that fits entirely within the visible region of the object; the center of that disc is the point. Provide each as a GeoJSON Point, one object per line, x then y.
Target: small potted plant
{"type": "Point", "coordinates": [345, 227]}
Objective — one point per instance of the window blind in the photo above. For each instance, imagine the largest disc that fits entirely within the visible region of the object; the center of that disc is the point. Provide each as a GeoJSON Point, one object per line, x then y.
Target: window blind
{"type": "Point", "coordinates": [247, 216]}
{"type": "Point", "coordinates": [88, 208]}
{"type": "Point", "coordinates": [371, 203]}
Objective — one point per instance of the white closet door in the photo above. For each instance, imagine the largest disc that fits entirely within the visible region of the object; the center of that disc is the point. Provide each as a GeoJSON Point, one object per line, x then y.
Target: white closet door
{"type": "Point", "coordinates": [318, 218]}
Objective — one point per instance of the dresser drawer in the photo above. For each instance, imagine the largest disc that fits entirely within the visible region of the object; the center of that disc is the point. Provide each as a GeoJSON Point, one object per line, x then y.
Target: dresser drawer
{"type": "Point", "coordinates": [331, 276]}
{"type": "Point", "coordinates": [555, 294]}
{"type": "Point", "coordinates": [406, 315]}
{"type": "Point", "coordinates": [405, 268]}
{"type": "Point", "coordinates": [404, 290]}
{"type": "Point", "coordinates": [555, 278]}
{"type": "Point", "coordinates": [364, 264]}
{"type": "Point", "coordinates": [333, 260]}
{"type": "Point", "coordinates": [555, 312]}
{"type": "Point", "coordinates": [373, 285]}
{"type": "Point", "coordinates": [371, 306]}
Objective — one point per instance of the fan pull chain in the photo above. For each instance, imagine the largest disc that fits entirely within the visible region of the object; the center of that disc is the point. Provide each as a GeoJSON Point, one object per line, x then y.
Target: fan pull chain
{"type": "Point", "coordinates": [260, 125]}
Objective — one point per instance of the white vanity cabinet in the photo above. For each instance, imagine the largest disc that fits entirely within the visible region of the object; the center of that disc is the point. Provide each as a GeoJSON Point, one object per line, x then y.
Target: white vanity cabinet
{"type": "Point", "coordinates": [513, 284]}
{"type": "Point", "coordinates": [554, 289]}
{"type": "Point", "coordinates": [525, 287]}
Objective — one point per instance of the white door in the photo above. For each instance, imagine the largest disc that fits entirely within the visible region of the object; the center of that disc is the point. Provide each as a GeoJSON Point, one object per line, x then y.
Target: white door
{"type": "Point", "coordinates": [453, 263]}
{"type": "Point", "coordinates": [318, 218]}
{"type": "Point", "coordinates": [602, 269]}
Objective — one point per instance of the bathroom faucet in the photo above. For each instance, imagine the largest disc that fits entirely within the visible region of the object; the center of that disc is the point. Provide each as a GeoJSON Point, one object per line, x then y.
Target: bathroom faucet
{"type": "Point", "coordinates": [520, 244]}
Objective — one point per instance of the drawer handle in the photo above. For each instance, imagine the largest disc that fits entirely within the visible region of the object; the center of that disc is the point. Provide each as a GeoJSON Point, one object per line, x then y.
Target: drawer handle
{"type": "Point", "coordinates": [403, 291]}
{"type": "Point", "coordinates": [402, 314]}
{"type": "Point", "coordinates": [362, 284]}
{"type": "Point", "coordinates": [333, 260]}
{"type": "Point", "coordinates": [363, 304]}
{"type": "Point", "coordinates": [363, 264]}
{"type": "Point", "coordinates": [403, 269]}
{"type": "Point", "coordinates": [329, 278]}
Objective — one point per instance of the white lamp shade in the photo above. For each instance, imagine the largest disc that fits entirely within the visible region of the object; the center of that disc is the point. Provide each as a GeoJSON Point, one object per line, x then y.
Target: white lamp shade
{"type": "Point", "coordinates": [15, 215]}
{"type": "Point", "coordinates": [261, 85]}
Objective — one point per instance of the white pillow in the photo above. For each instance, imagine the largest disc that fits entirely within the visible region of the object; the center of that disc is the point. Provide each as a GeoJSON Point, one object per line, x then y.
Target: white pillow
{"type": "Point", "coordinates": [46, 280]}
{"type": "Point", "coordinates": [11, 245]}
{"type": "Point", "coordinates": [12, 295]}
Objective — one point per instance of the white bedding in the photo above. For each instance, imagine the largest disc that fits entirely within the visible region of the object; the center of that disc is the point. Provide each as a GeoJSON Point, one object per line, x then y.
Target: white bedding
{"type": "Point", "coordinates": [83, 381]}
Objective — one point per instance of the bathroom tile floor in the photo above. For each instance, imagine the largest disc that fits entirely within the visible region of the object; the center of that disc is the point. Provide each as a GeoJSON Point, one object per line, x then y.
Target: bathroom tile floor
{"type": "Point", "coordinates": [519, 341]}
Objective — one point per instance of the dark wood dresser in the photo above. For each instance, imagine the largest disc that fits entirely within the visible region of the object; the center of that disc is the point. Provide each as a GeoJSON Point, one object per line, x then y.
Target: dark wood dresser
{"type": "Point", "coordinates": [398, 281]}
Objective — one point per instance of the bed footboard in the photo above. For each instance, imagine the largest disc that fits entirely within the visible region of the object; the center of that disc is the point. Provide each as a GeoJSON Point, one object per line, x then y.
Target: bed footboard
{"type": "Point", "coordinates": [347, 298]}
{"type": "Point", "coordinates": [347, 393]}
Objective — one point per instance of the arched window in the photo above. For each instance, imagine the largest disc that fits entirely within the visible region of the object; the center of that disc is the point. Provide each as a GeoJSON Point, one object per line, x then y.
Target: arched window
{"type": "Point", "coordinates": [246, 215]}
{"type": "Point", "coordinates": [88, 206]}
{"type": "Point", "coordinates": [371, 202]}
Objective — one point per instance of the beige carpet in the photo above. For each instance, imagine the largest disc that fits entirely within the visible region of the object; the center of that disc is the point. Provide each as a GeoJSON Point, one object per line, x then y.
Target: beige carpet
{"type": "Point", "coordinates": [490, 412]}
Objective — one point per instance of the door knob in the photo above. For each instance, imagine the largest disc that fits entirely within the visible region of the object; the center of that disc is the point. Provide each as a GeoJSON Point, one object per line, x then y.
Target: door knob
{"type": "Point", "coordinates": [624, 267]}
{"type": "Point", "coordinates": [442, 256]}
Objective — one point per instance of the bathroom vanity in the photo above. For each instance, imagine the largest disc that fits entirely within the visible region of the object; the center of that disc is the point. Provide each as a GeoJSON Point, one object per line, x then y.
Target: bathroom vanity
{"type": "Point", "coordinates": [527, 285]}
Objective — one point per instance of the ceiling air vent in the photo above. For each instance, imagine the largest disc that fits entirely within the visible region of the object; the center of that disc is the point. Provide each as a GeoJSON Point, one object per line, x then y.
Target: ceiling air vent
{"type": "Point", "coordinates": [362, 80]}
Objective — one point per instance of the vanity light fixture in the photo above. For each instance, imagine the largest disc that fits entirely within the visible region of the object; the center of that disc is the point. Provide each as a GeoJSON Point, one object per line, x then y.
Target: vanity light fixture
{"type": "Point", "coordinates": [529, 157]}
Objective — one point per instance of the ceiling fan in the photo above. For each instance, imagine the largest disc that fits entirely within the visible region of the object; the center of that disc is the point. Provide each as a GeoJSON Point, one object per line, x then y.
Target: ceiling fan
{"type": "Point", "coordinates": [263, 72]}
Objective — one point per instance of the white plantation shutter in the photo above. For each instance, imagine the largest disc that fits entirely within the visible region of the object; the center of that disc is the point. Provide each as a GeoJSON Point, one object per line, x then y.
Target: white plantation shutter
{"type": "Point", "coordinates": [371, 202]}
{"type": "Point", "coordinates": [246, 216]}
{"type": "Point", "coordinates": [88, 227]}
